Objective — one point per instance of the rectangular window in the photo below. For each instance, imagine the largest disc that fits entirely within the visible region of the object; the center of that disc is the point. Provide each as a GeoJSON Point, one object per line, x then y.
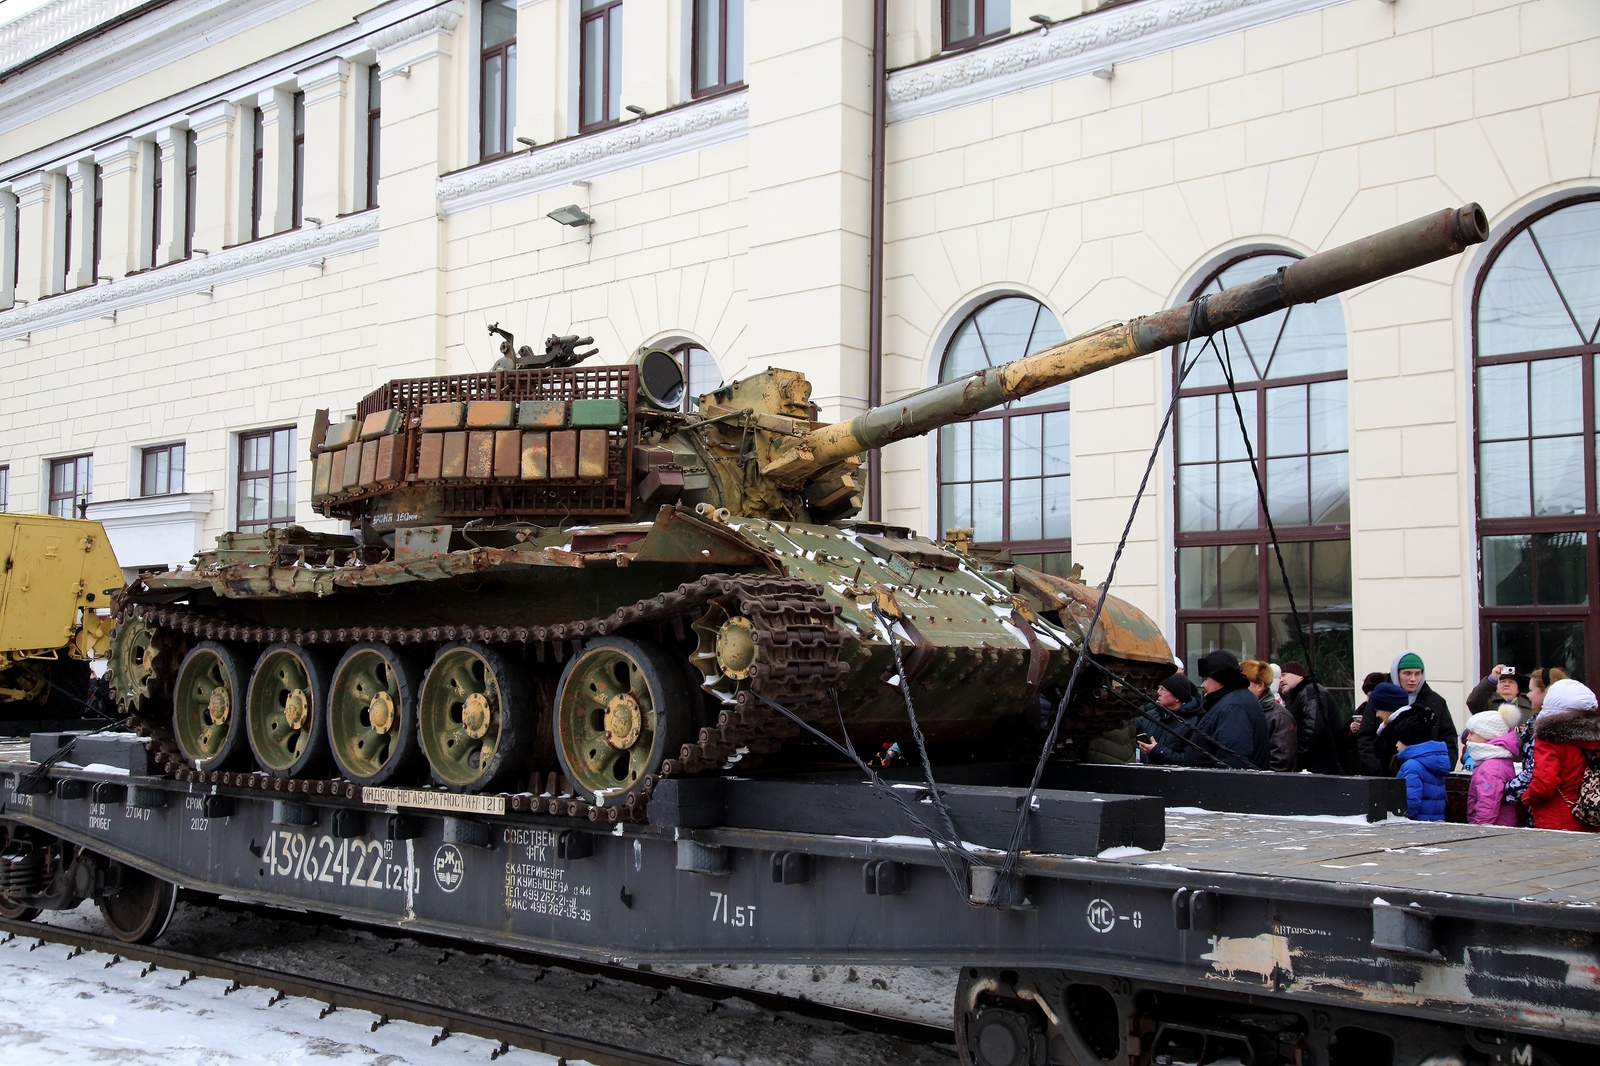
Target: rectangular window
{"type": "Point", "coordinates": [5, 488]}
{"type": "Point", "coordinates": [69, 485]}
{"type": "Point", "coordinates": [600, 70]}
{"type": "Point", "coordinates": [718, 45]}
{"type": "Point", "coordinates": [66, 235]}
{"type": "Point", "coordinates": [258, 149]}
{"type": "Point", "coordinates": [191, 185]}
{"type": "Point", "coordinates": [155, 206]}
{"type": "Point", "coordinates": [266, 479]}
{"type": "Point", "coordinates": [161, 470]}
{"type": "Point", "coordinates": [99, 209]}
{"type": "Point", "coordinates": [497, 78]}
{"type": "Point", "coordinates": [298, 189]}
{"type": "Point", "coordinates": [970, 22]}
{"type": "Point", "coordinates": [374, 127]}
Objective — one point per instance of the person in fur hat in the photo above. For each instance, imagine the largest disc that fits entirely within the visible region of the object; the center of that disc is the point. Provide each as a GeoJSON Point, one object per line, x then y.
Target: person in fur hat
{"type": "Point", "coordinates": [1282, 739]}
{"type": "Point", "coordinates": [1421, 762]}
{"type": "Point", "coordinates": [1565, 733]}
{"type": "Point", "coordinates": [1492, 743]}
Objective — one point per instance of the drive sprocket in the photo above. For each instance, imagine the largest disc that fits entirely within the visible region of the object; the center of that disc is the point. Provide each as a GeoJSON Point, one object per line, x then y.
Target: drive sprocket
{"type": "Point", "coordinates": [141, 663]}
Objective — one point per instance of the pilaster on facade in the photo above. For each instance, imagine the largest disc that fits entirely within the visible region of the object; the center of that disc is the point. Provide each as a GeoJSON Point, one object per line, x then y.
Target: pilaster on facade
{"type": "Point", "coordinates": [222, 195]}
{"type": "Point", "coordinates": [172, 148]}
{"type": "Point", "coordinates": [38, 253]}
{"type": "Point", "coordinates": [277, 160]}
{"type": "Point", "coordinates": [80, 236]}
{"type": "Point", "coordinates": [8, 248]}
{"type": "Point", "coordinates": [809, 196]}
{"type": "Point", "coordinates": [331, 176]}
{"type": "Point", "coordinates": [119, 201]}
{"type": "Point", "coordinates": [544, 89]}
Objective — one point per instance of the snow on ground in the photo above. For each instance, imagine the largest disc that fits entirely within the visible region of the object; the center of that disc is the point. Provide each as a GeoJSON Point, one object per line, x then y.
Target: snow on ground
{"type": "Point", "coordinates": [55, 1009]}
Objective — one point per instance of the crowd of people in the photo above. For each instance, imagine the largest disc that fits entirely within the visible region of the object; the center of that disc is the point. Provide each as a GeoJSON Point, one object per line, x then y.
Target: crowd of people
{"type": "Point", "coordinates": [1533, 754]}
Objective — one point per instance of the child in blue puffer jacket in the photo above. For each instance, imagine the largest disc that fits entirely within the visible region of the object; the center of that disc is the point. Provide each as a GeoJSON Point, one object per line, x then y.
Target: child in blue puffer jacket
{"type": "Point", "coordinates": [1423, 762]}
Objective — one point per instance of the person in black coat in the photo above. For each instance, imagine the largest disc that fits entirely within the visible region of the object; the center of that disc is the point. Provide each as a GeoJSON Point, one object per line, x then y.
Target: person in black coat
{"type": "Point", "coordinates": [1169, 722]}
{"type": "Point", "coordinates": [1317, 720]}
{"type": "Point", "coordinates": [1231, 732]}
{"type": "Point", "coordinates": [1407, 671]}
{"type": "Point", "coordinates": [1377, 744]}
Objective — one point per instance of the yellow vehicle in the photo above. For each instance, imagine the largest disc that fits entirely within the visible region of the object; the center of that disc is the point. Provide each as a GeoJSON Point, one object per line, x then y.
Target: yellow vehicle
{"type": "Point", "coordinates": [59, 574]}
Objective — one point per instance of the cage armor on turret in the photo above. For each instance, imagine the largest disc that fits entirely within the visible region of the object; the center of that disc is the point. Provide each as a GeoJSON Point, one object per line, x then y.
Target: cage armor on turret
{"type": "Point", "coordinates": [563, 585]}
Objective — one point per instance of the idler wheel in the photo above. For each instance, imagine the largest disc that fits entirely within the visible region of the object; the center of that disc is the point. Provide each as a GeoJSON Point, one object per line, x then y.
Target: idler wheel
{"type": "Point", "coordinates": [286, 710]}
{"type": "Point", "coordinates": [372, 714]}
{"type": "Point", "coordinates": [207, 718]}
{"type": "Point", "coordinates": [725, 650]}
{"type": "Point", "coordinates": [139, 907]}
{"type": "Point", "coordinates": [473, 717]}
{"type": "Point", "coordinates": [622, 706]}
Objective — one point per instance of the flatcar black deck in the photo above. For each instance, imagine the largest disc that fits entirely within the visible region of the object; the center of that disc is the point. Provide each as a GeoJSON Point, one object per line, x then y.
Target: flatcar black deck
{"type": "Point", "coordinates": [1460, 924]}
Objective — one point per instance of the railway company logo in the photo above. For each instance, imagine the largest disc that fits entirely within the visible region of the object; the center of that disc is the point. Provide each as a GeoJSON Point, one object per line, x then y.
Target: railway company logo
{"type": "Point", "coordinates": [1102, 916]}
{"type": "Point", "coordinates": [449, 868]}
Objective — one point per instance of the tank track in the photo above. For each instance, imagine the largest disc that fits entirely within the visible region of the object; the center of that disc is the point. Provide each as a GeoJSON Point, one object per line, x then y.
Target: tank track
{"type": "Point", "coordinates": [798, 665]}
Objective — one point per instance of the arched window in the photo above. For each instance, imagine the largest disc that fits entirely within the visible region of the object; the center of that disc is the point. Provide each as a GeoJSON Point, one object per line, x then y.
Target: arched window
{"type": "Point", "coordinates": [1536, 337]}
{"type": "Point", "coordinates": [700, 372]}
{"type": "Point", "coordinates": [1289, 373]}
{"type": "Point", "coordinates": [1007, 474]}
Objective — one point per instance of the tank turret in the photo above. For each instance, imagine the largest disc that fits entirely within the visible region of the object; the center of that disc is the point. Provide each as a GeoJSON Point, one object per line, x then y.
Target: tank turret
{"type": "Point", "coordinates": [563, 586]}
{"type": "Point", "coordinates": [544, 440]}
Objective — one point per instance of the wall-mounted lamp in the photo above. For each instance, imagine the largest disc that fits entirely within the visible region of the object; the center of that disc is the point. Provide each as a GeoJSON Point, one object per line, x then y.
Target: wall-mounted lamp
{"type": "Point", "coordinates": [112, 317]}
{"type": "Point", "coordinates": [320, 264]}
{"type": "Point", "coordinates": [209, 290]}
{"type": "Point", "coordinates": [1105, 73]}
{"type": "Point", "coordinates": [636, 109]}
{"type": "Point", "coordinates": [313, 219]}
{"type": "Point", "coordinates": [403, 72]}
{"type": "Point", "coordinates": [573, 215]}
{"type": "Point", "coordinates": [1044, 22]}
{"type": "Point", "coordinates": [528, 142]}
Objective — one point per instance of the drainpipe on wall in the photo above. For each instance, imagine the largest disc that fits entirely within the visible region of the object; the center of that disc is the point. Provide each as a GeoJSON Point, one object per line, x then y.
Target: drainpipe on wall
{"type": "Point", "coordinates": [880, 80]}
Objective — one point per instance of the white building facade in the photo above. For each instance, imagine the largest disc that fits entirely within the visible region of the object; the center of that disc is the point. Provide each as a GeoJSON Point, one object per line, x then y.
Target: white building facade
{"type": "Point", "coordinates": [221, 215]}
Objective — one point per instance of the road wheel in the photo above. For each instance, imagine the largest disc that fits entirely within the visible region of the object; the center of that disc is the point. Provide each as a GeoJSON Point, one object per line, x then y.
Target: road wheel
{"type": "Point", "coordinates": [206, 717]}
{"type": "Point", "coordinates": [622, 707]}
{"type": "Point", "coordinates": [473, 717]}
{"type": "Point", "coordinates": [287, 710]}
{"type": "Point", "coordinates": [372, 714]}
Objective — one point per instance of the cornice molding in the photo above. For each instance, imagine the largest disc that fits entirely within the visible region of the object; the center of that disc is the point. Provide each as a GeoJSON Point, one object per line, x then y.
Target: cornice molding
{"type": "Point", "coordinates": [646, 140]}
{"type": "Point", "coordinates": [437, 20]}
{"type": "Point", "coordinates": [344, 236]}
{"type": "Point", "coordinates": [54, 24]}
{"type": "Point", "coordinates": [1078, 46]}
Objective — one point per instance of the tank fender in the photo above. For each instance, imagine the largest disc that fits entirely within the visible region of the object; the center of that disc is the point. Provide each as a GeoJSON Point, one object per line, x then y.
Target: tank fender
{"type": "Point", "coordinates": [679, 535]}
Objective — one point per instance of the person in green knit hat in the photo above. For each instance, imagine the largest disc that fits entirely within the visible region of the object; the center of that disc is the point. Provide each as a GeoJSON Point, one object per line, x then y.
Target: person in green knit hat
{"type": "Point", "coordinates": [1410, 674]}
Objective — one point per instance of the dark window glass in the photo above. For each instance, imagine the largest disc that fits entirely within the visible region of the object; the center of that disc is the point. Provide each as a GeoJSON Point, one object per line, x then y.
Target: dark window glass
{"type": "Point", "coordinates": [191, 190]}
{"type": "Point", "coordinates": [1007, 474]}
{"type": "Point", "coordinates": [700, 373]}
{"type": "Point", "coordinates": [258, 150]}
{"type": "Point", "coordinates": [66, 235]}
{"type": "Point", "coordinates": [298, 189]}
{"type": "Point", "coordinates": [718, 45]}
{"type": "Point", "coordinates": [161, 470]}
{"type": "Point", "coordinates": [968, 22]}
{"type": "Point", "coordinates": [1289, 373]}
{"type": "Point", "coordinates": [1537, 338]}
{"type": "Point", "coordinates": [497, 116]}
{"type": "Point", "coordinates": [5, 488]}
{"type": "Point", "coordinates": [69, 485]}
{"type": "Point", "coordinates": [374, 131]}
{"type": "Point", "coordinates": [99, 210]}
{"type": "Point", "coordinates": [155, 206]}
{"type": "Point", "coordinates": [600, 71]}
{"type": "Point", "coordinates": [266, 479]}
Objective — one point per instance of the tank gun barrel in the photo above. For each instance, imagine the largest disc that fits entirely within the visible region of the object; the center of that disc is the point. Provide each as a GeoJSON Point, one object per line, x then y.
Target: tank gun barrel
{"type": "Point", "coordinates": [1394, 251]}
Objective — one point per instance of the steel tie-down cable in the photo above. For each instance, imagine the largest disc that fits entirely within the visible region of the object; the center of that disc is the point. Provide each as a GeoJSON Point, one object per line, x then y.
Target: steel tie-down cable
{"type": "Point", "coordinates": [1008, 889]}
{"type": "Point", "coordinates": [916, 729]}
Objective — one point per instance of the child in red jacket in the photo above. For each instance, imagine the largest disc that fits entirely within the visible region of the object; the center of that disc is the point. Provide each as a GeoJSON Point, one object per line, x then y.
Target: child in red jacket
{"type": "Point", "coordinates": [1567, 731]}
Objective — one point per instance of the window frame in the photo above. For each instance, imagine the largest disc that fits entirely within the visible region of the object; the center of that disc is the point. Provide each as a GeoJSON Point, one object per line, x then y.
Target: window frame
{"type": "Point", "coordinates": [258, 166]}
{"type": "Point", "coordinates": [82, 467]}
{"type": "Point", "coordinates": [958, 44]}
{"type": "Point", "coordinates": [297, 160]}
{"type": "Point", "coordinates": [603, 14]}
{"type": "Point", "coordinates": [174, 449]}
{"type": "Point", "coordinates": [191, 188]}
{"type": "Point", "coordinates": [155, 207]}
{"type": "Point", "coordinates": [374, 132]}
{"type": "Point", "coordinates": [1004, 415]}
{"type": "Point", "coordinates": [1586, 521]}
{"type": "Point", "coordinates": [1269, 580]}
{"type": "Point", "coordinates": [721, 84]}
{"type": "Point", "coordinates": [506, 52]}
{"type": "Point", "coordinates": [99, 224]}
{"type": "Point", "coordinates": [691, 392]}
{"type": "Point", "coordinates": [65, 281]}
{"type": "Point", "coordinates": [270, 475]}
{"type": "Point", "coordinates": [5, 487]}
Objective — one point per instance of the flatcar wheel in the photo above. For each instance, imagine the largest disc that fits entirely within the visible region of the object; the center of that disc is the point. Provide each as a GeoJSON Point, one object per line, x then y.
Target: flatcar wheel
{"type": "Point", "coordinates": [471, 717]}
{"type": "Point", "coordinates": [286, 710]}
{"type": "Point", "coordinates": [621, 708]}
{"type": "Point", "coordinates": [139, 911]}
{"type": "Point", "coordinates": [372, 724]}
{"type": "Point", "coordinates": [206, 716]}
